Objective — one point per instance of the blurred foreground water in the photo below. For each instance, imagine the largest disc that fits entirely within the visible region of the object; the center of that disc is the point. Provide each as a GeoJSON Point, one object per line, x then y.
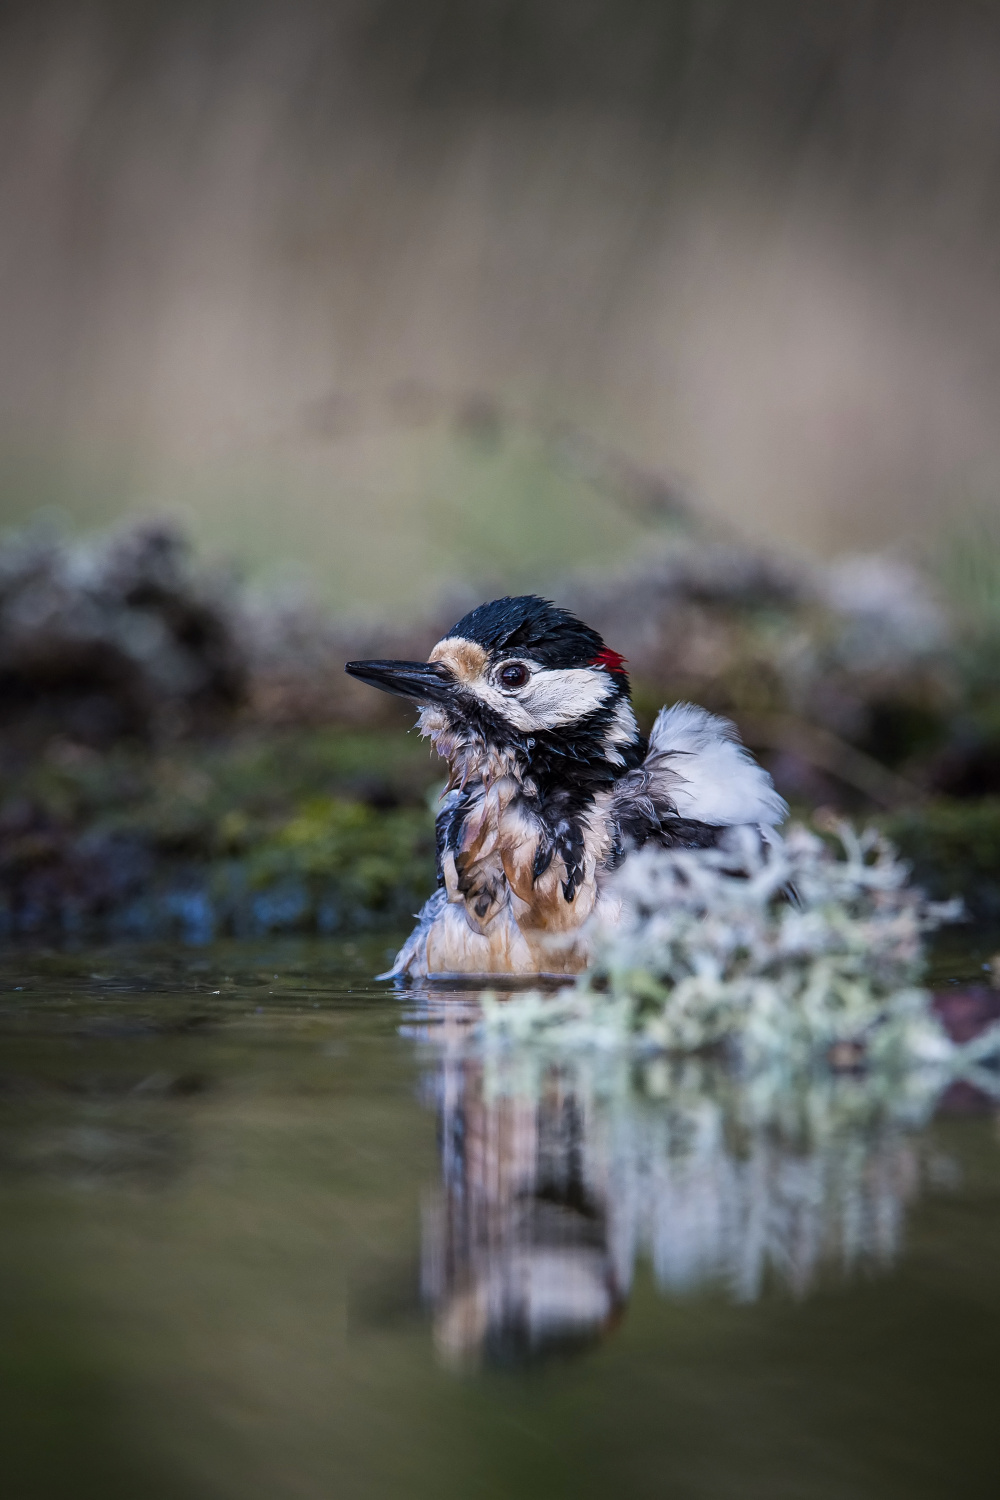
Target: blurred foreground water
{"type": "Point", "coordinates": [273, 1230]}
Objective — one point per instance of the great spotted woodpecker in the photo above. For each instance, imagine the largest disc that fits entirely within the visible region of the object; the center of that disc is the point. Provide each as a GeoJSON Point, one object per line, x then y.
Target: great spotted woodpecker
{"type": "Point", "coordinates": [552, 786]}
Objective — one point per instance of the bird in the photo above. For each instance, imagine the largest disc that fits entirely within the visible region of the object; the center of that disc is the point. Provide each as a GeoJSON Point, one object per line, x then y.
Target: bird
{"type": "Point", "coordinates": [551, 787]}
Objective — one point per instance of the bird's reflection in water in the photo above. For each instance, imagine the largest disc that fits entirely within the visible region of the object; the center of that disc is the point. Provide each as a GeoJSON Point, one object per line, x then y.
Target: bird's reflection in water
{"type": "Point", "coordinates": [559, 1172]}
{"type": "Point", "coordinates": [518, 1249]}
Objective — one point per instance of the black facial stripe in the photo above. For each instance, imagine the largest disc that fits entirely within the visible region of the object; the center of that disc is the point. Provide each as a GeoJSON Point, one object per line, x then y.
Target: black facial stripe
{"type": "Point", "coordinates": [469, 712]}
{"type": "Point", "coordinates": [577, 754]}
{"type": "Point", "coordinates": [573, 753]}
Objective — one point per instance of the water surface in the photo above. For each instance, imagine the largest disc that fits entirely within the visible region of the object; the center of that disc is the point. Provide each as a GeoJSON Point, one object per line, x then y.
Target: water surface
{"type": "Point", "coordinates": [272, 1230]}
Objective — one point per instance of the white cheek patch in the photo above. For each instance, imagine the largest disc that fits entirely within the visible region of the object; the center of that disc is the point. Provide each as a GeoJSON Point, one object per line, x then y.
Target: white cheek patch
{"type": "Point", "coordinates": [624, 731]}
{"type": "Point", "coordinates": [554, 696]}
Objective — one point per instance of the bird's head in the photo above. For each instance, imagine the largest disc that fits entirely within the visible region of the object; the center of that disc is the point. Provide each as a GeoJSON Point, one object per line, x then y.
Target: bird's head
{"type": "Point", "coordinates": [520, 675]}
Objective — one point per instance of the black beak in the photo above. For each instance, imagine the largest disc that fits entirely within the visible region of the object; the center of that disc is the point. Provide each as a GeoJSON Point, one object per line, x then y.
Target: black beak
{"type": "Point", "coordinates": [426, 681]}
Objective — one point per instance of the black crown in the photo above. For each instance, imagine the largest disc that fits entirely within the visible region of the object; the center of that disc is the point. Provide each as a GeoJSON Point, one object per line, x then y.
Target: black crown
{"type": "Point", "coordinates": [533, 627]}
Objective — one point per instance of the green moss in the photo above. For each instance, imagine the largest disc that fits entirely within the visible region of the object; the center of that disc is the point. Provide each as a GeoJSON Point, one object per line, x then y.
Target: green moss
{"type": "Point", "coordinates": [374, 860]}
{"type": "Point", "coordinates": [315, 829]}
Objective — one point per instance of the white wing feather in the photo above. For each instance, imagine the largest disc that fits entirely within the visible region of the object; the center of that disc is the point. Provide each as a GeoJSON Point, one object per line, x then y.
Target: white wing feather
{"type": "Point", "coordinates": [700, 765]}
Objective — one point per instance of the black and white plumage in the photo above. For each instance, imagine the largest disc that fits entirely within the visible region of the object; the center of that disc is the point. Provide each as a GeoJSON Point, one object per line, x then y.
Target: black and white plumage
{"type": "Point", "coordinates": [552, 786]}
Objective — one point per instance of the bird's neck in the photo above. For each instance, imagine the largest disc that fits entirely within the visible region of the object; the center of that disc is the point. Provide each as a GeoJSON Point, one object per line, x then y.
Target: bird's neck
{"type": "Point", "coordinates": [471, 758]}
{"type": "Point", "coordinates": [578, 759]}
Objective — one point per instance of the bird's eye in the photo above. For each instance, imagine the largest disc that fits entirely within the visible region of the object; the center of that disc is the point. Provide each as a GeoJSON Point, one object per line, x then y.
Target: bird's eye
{"type": "Point", "coordinates": [514, 675]}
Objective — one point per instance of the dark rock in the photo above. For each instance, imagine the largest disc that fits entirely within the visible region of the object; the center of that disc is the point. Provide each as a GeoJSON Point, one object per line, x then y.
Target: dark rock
{"type": "Point", "coordinates": [117, 638]}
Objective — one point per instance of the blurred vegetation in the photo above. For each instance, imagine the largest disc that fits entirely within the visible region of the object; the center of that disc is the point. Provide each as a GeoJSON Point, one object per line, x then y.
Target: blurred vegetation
{"type": "Point", "coordinates": [324, 273]}
{"type": "Point", "coordinates": [954, 846]}
{"type": "Point", "coordinates": [178, 756]}
{"type": "Point", "coordinates": [322, 830]}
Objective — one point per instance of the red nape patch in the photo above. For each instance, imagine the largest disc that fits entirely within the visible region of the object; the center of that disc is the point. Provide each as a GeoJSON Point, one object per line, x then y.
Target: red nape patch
{"type": "Point", "coordinates": [611, 661]}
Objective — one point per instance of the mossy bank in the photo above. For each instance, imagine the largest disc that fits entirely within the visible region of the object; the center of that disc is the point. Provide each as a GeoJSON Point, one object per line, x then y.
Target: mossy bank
{"type": "Point", "coordinates": [318, 830]}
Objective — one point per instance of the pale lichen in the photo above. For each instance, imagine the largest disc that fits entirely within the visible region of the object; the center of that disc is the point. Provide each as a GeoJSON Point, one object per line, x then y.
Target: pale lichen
{"type": "Point", "coordinates": [796, 951]}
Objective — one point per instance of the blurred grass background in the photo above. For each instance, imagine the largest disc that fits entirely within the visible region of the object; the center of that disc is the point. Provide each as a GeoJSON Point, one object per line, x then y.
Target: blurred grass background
{"type": "Point", "coordinates": [323, 279]}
